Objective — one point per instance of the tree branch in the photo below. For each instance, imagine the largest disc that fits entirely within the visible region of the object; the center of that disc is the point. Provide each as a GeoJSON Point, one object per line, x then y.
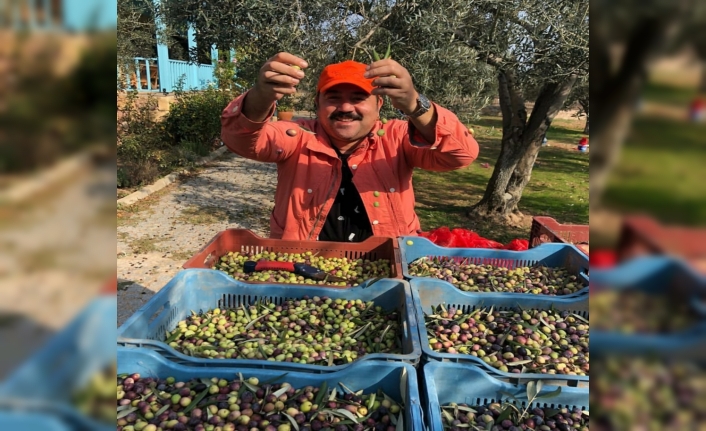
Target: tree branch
{"type": "Point", "coordinates": [550, 100]}
{"type": "Point", "coordinates": [370, 34]}
{"type": "Point", "coordinates": [505, 101]}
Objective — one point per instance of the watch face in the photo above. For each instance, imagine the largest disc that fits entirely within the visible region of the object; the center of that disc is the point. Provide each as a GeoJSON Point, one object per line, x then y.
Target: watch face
{"type": "Point", "coordinates": [424, 102]}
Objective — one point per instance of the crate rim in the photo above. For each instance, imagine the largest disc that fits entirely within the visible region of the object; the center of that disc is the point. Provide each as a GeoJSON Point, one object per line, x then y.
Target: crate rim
{"type": "Point", "coordinates": [413, 357]}
{"type": "Point", "coordinates": [553, 226]}
{"type": "Point", "coordinates": [433, 356]}
{"type": "Point", "coordinates": [546, 246]}
{"type": "Point", "coordinates": [626, 276]}
{"type": "Point", "coordinates": [432, 399]}
{"type": "Point", "coordinates": [394, 261]}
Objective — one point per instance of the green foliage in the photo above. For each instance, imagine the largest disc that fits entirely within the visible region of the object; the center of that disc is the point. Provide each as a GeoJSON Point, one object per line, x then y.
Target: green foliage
{"type": "Point", "coordinates": [286, 104]}
{"type": "Point", "coordinates": [194, 119]}
{"type": "Point", "coordinates": [140, 141]}
{"type": "Point", "coordinates": [327, 31]}
{"type": "Point", "coordinates": [148, 149]}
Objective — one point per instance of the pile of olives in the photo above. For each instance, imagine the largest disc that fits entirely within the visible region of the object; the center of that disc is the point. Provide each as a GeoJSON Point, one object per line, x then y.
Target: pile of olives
{"type": "Point", "coordinates": [500, 417]}
{"type": "Point", "coordinates": [635, 312]}
{"type": "Point", "coordinates": [470, 277]}
{"type": "Point", "coordinates": [151, 404]}
{"type": "Point", "coordinates": [354, 271]}
{"type": "Point", "coordinates": [318, 330]}
{"type": "Point", "coordinates": [515, 341]}
{"type": "Point", "coordinates": [633, 392]}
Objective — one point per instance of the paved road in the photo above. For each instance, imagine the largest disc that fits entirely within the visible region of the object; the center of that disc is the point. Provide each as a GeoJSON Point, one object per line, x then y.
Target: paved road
{"type": "Point", "coordinates": [173, 224]}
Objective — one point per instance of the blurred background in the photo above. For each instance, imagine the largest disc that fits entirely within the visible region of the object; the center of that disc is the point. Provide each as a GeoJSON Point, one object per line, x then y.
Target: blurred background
{"type": "Point", "coordinates": [648, 152]}
{"type": "Point", "coordinates": [647, 159]}
{"type": "Point", "coordinates": [57, 176]}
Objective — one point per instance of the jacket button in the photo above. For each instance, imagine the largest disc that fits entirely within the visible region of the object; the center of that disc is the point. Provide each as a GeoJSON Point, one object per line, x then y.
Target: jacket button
{"type": "Point", "coordinates": [375, 222]}
{"type": "Point", "coordinates": [310, 191]}
{"type": "Point", "coordinates": [392, 190]}
{"type": "Point", "coordinates": [354, 167]}
{"type": "Point", "coordinates": [376, 193]}
{"type": "Point", "coordinates": [376, 204]}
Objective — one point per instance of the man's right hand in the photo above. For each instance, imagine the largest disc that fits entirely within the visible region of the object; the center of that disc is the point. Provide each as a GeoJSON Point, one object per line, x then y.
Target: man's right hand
{"type": "Point", "coordinates": [277, 78]}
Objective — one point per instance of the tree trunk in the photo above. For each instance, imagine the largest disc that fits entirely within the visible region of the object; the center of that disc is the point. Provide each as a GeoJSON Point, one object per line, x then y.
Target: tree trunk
{"type": "Point", "coordinates": [616, 95]}
{"type": "Point", "coordinates": [702, 87]}
{"type": "Point", "coordinates": [520, 147]}
{"type": "Point", "coordinates": [585, 129]}
{"type": "Point", "coordinates": [514, 114]}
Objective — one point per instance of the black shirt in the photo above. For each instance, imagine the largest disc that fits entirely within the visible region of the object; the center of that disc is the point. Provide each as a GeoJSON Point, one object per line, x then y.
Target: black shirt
{"type": "Point", "coordinates": [347, 221]}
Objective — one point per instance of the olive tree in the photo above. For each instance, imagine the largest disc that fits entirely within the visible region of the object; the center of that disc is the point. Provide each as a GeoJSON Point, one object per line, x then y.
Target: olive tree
{"type": "Point", "coordinates": [460, 55]}
{"type": "Point", "coordinates": [626, 37]}
{"type": "Point", "coordinates": [326, 31]}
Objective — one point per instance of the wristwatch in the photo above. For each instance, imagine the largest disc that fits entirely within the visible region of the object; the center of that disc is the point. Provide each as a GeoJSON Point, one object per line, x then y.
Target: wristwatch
{"type": "Point", "coordinates": [423, 106]}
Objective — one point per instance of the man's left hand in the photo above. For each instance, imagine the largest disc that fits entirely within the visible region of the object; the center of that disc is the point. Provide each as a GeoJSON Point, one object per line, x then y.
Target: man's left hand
{"type": "Point", "coordinates": [393, 80]}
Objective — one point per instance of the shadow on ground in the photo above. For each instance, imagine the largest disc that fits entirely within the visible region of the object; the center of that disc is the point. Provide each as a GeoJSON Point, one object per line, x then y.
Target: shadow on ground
{"type": "Point", "coordinates": [21, 337]}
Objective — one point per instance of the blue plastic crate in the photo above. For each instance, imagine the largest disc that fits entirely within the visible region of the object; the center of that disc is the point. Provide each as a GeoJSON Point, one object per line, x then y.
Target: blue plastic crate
{"type": "Point", "coordinates": [32, 420]}
{"type": "Point", "coordinates": [202, 289]}
{"type": "Point", "coordinates": [551, 254]}
{"type": "Point", "coordinates": [659, 276]}
{"type": "Point", "coordinates": [441, 386]}
{"type": "Point", "coordinates": [429, 292]}
{"type": "Point", "coordinates": [368, 376]}
{"type": "Point", "coordinates": [68, 361]}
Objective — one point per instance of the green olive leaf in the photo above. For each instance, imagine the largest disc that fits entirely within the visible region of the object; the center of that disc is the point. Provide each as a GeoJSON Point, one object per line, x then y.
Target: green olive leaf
{"type": "Point", "coordinates": [347, 414]}
{"type": "Point", "coordinates": [552, 394]}
{"type": "Point", "coordinates": [449, 418]}
{"type": "Point", "coordinates": [195, 401]}
{"type": "Point", "coordinates": [291, 419]}
{"type": "Point", "coordinates": [549, 413]}
{"type": "Point", "coordinates": [531, 390]}
{"type": "Point", "coordinates": [126, 412]}
{"type": "Point", "coordinates": [526, 361]}
{"type": "Point", "coordinates": [162, 410]}
{"type": "Point", "coordinates": [505, 414]}
{"type": "Point", "coordinates": [466, 409]}
{"type": "Point", "coordinates": [281, 390]}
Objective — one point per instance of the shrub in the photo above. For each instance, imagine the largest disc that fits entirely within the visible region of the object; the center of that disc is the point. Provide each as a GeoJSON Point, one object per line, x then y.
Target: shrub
{"type": "Point", "coordinates": [148, 148]}
{"type": "Point", "coordinates": [139, 140]}
{"type": "Point", "coordinates": [194, 119]}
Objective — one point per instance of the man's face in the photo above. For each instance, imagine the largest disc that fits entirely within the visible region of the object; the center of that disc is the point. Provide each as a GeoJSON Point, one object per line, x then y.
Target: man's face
{"type": "Point", "coordinates": [347, 113]}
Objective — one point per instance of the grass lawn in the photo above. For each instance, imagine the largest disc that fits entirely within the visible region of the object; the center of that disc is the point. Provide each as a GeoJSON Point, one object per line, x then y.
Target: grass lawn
{"type": "Point", "coordinates": [662, 172]}
{"type": "Point", "coordinates": [669, 95]}
{"type": "Point", "coordinates": [558, 187]}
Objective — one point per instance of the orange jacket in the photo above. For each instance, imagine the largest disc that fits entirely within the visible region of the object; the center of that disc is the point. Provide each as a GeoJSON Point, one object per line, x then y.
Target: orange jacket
{"type": "Point", "coordinates": [309, 171]}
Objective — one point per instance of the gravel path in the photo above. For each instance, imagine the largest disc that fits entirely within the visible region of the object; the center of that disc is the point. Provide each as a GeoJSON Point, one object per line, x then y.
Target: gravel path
{"type": "Point", "coordinates": [55, 256]}
{"type": "Point", "coordinates": [157, 235]}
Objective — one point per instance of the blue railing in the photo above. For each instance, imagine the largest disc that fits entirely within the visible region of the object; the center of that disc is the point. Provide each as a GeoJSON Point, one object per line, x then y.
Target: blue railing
{"type": "Point", "coordinates": [205, 75]}
{"type": "Point", "coordinates": [145, 75]}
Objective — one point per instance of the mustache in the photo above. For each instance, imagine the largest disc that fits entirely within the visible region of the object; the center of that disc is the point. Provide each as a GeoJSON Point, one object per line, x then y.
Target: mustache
{"type": "Point", "coordinates": [345, 116]}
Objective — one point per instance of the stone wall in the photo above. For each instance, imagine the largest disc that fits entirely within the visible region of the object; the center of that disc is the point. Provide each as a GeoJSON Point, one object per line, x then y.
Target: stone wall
{"type": "Point", "coordinates": [163, 102]}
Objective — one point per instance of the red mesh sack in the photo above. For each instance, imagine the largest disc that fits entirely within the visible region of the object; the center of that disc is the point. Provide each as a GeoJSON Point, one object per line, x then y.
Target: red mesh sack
{"type": "Point", "coordinates": [517, 245]}
{"type": "Point", "coordinates": [442, 237]}
{"type": "Point", "coordinates": [463, 238]}
{"type": "Point", "coordinates": [485, 243]}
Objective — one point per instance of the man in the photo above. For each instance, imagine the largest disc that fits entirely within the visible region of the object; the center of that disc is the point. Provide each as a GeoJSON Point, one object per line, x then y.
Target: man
{"type": "Point", "coordinates": [345, 176]}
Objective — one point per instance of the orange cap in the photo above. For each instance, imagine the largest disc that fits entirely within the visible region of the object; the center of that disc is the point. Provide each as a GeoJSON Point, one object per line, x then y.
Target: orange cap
{"type": "Point", "coordinates": [348, 72]}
